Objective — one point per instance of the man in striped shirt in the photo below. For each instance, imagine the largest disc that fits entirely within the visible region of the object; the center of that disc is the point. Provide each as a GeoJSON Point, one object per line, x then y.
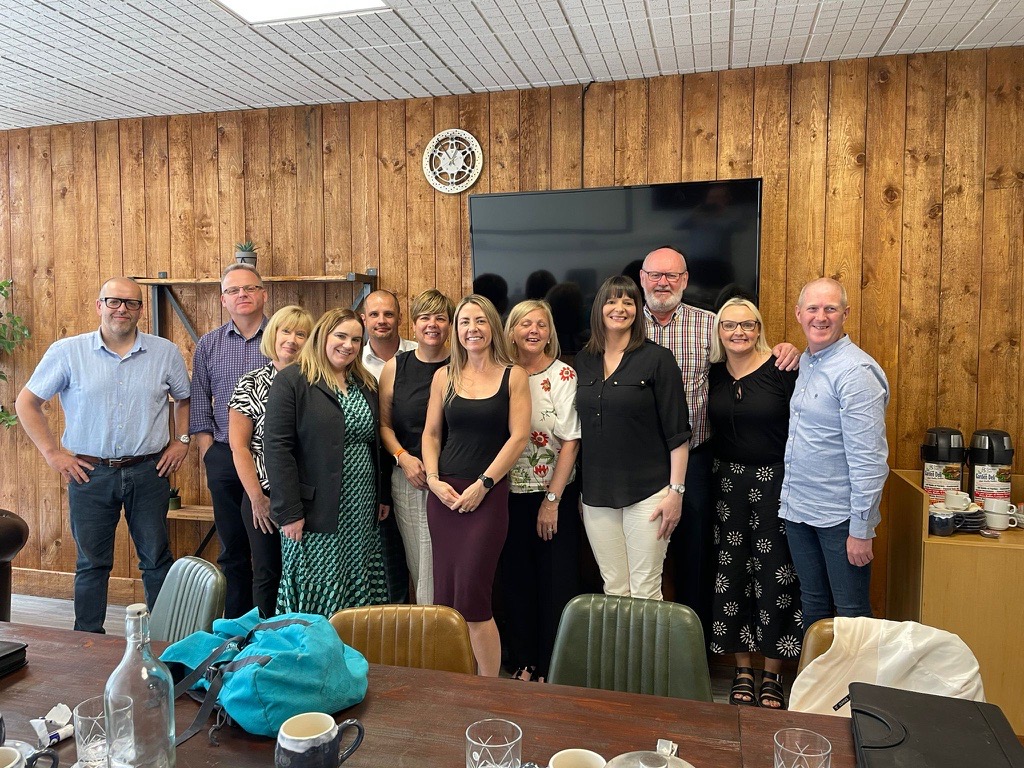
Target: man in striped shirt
{"type": "Point", "coordinates": [686, 331]}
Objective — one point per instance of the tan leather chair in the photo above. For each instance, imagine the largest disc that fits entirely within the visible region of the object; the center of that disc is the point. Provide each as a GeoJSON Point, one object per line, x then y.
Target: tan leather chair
{"type": "Point", "coordinates": [817, 639]}
{"type": "Point", "coordinates": [420, 636]}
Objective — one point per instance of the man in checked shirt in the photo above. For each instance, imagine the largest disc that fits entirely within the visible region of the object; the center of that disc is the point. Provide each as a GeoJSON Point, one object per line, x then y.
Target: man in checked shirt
{"type": "Point", "coordinates": [686, 331]}
{"type": "Point", "coordinates": [222, 356]}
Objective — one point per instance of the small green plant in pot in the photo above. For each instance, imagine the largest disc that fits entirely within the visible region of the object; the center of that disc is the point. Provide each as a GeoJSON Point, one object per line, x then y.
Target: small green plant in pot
{"type": "Point", "coordinates": [174, 502]}
{"type": "Point", "coordinates": [245, 253]}
{"type": "Point", "coordinates": [13, 333]}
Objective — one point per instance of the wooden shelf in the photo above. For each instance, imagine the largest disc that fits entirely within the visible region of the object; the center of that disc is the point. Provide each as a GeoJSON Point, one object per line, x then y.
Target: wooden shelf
{"type": "Point", "coordinates": [191, 512]}
{"type": "Point", "coordinates": [351, 277]}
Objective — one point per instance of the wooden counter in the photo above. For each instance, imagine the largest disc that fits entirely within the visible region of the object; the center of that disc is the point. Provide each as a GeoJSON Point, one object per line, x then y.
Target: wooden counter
{"type": "Point", "coordinates": [965, 584]}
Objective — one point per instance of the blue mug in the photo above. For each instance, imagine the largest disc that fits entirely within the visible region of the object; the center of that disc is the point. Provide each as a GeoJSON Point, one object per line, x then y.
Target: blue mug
{"type": "Point", "coordinates": [943, 525]}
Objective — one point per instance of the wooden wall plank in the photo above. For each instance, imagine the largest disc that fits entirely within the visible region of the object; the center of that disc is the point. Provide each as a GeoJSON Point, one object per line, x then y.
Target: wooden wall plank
{"type": "Point", "coordinates": [771, 163]}
{"type": "Point", "coordinates": [230, 184]}
{"type": "Point", "coordinates": [566, 137]}
{"type": "Point", "coordinates": [922, 256]}
{"type": "Point", "coordinates": [844, 201]}
{"type": "Point", "coordinates": [309, 175]}
{"type": "Point", "coordinates": [256, 174]}
{"type": "Point", "coordinates": [735, 123]}
{"type": "Point", "coordinates": [365, 216]}
{"type": "Point", "coordinates": [108, 199]}
{"type": "Point", "coordinates": [448, 216]}
{"type": "Point", "coordinates": [504, 140]}
{"type": "Point", "coordinates": [700, 126]}
{"type": "Point", "coordinates": [391, 202]}
{"type": "Point", "coordinates": [808, 130]}
{"type": "Point", "coordinates": [154, 147]}
{"type": "Point", "coordinates": [599, 135]}
{"type": "Point", "coordinates": [959, 297]}
{"type": "Point", "coordinates": [534, 140]}
{"type": "Point", "coordinates": [665, 139]}
{"type": "Point", "coordinates": [1002, 266]}
{"type": "Point", "coordinates": [133, 198]}
{"type": "Point", "coordinates": [284, 203]}
{"type": "Point", "coordinates": [473, 117]}
{"type": "Point", "coordinates": [8, 437]}
{"type": "Point", "coordinates": [630, 132]}
{"type": "Point", "coordinates": [337, 201]}
{"type": "Point", "coordinates": [419, 195]}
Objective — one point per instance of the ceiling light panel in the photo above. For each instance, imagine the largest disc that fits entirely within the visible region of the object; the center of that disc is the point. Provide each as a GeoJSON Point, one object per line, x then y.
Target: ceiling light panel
{"type": "Point", "coordinates": [275, 11]}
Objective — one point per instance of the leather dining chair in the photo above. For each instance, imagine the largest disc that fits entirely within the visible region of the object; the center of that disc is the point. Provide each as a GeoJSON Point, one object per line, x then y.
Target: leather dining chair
{"type": "Point", "coordinates": [13, 536]}
{"type": "Point", "coordinates": [817, 639]}
{"type": "Point", "coordinates": [631, 645]}
{"type": "Point", "coordinates": [191, 598]}
{"type": "Point", "coordinates": [421, 636]}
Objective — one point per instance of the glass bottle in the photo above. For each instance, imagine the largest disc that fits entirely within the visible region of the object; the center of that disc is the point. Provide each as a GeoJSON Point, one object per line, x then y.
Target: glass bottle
{"type": "Point", "coordinates": [144, 678]}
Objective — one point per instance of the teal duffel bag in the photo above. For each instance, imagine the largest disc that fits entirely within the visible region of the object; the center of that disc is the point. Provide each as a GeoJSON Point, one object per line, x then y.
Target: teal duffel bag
{"type": "Point", "coordinates": [257, 673]}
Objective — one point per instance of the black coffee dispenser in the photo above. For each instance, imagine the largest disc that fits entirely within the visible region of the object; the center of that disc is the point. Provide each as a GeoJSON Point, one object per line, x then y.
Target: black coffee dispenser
{"type": "Point", "coordinates": [990, 458]}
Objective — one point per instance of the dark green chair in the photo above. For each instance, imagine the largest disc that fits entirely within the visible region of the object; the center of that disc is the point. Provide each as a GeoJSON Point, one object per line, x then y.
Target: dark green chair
{"type": "Point", "coordinates": [190, 599]}
{"type": "Point", "coordinates": [633, 645]}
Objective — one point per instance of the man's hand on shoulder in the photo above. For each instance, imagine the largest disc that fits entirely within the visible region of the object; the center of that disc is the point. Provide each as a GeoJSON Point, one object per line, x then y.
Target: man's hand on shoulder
{"type": "Point", "coordinates": [788, 356]}
{"type": "Point", "coordinates": [858, 551]}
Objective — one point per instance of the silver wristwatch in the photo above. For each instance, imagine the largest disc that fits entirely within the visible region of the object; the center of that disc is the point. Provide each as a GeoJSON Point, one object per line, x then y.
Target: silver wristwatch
{"type": "Point", "coordinates": [186, 439]}
{"type": "Point", "coordinates": [677, 487]}
{"type": "Point", "coordinates": [552, 498]}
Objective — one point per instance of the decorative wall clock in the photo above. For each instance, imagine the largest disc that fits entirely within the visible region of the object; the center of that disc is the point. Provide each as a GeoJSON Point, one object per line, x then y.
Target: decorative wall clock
{"type": "Point", "coordinates": [452, 161]}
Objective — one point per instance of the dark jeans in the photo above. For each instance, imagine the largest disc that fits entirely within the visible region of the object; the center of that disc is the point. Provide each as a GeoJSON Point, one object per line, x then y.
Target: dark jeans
{"type": "Point", "coordinates": [266, 562]}
{"type": "Point", "coordinates": [829, 584]}
{"type": "Point", "coordinates": [396, 570]}
{"type": "Point", "coordinates": [693, 543]}
{"type": "Point", "coordinates": [235, 558]}
{"type": "Point", "coordinates": [538, 577]}
{"type": "Point", "coordinates": [95, 509]}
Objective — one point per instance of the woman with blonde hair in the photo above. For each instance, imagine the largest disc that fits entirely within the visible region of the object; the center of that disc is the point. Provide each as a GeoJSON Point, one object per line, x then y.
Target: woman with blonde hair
{"type": "Point", "coordinates": [322, 450]}
{"type": "Point", "coordinates": [478, 421]}
{"type": "Point", "coordinates": [540, 562]}
{"type": "Point", "coordinates": [404, 392]}
{"type": "Point", "coordinates": [283, 338]}
{"type": "Point", "coordinates": [757, 598]}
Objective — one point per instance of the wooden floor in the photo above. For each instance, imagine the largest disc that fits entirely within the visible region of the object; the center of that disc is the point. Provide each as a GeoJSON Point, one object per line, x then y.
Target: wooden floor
{"type": "Point", "coordinates": [49, 612]}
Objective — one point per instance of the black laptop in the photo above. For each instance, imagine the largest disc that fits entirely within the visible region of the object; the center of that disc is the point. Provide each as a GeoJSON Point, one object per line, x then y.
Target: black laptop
{"type": "Point", "coordinates": [904, 729]}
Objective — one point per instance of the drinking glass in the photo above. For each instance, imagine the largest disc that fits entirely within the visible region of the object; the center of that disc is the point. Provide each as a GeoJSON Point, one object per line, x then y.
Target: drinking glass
{"type": "Point", "coordinates": [94, 732]}
{"type": "Point", "coordinates": [800, 748]}
{"type": "Point", "coordinates": [494, 743]}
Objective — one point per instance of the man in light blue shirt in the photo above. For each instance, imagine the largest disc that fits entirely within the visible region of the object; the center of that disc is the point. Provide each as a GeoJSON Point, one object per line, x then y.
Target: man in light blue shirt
{"type": "Point", "coordinates": [113, 384]}
{"type": "Point", "coordinates": [835, 459]}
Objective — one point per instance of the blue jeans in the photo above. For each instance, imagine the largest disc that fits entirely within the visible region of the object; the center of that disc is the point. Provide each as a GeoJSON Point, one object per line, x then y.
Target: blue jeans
{"type": "Point", "coordinates": [95, 509]}
{"type": "Point", "coordinates": [827, 579]}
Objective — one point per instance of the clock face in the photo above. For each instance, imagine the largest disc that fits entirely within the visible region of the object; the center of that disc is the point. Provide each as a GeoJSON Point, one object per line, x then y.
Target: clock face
{"type": "Point", "coordinates": [452, 161]}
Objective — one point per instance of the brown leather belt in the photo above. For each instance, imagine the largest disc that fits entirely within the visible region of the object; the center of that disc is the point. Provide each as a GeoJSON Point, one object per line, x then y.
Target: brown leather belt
{"type": "Point", "coordinates": [127, 461]}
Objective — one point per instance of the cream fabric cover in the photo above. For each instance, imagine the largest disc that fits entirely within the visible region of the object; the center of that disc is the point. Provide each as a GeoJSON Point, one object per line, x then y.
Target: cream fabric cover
{"type": "Point", "coordinates": [898, 654]}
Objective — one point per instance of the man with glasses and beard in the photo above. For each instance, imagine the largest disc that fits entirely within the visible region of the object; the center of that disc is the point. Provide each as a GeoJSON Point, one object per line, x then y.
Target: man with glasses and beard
{"type": "Point", "coordinates": [686, 331]}
{"type": "Point", "coordinates": [115, 453]}
{"type": "Point", "coordinates": [222, 356]}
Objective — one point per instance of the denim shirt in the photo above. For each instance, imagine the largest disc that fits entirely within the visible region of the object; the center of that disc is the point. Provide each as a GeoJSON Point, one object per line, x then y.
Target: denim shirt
{"type": "Point", "coordinates": [836, 450]}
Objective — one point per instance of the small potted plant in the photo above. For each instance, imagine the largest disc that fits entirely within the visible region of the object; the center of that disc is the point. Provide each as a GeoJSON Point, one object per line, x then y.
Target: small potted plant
{"type": "Point", "coordinates": [245, 253]}
{"type": "Point", "coordinates": [174, 502]}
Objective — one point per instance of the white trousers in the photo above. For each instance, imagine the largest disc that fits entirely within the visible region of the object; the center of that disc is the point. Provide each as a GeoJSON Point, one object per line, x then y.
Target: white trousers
{"type": "Point", "coordinates": [626, 546]}
{"type": "Point", "coordinates": [410, 510]}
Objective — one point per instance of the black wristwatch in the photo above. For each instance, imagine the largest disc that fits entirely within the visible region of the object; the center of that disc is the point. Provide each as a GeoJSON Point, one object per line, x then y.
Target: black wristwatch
{"type": "Point", "coordinates": [488, 482]}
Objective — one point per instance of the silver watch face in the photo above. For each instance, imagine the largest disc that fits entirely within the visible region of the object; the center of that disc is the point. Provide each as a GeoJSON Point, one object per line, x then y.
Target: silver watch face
{"type": "Point", "coordinates": [186, 439]}
{"type": "Point", "coordinates": [551, 497]}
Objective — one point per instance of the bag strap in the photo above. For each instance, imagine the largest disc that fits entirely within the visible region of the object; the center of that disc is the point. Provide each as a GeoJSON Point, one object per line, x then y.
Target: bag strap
{"type": "Point", "coordinates": [215, 676]}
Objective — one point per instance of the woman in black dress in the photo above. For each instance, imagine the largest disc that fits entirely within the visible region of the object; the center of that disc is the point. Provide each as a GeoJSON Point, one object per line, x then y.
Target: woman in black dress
{"type": "Point", "coordinates": [404, 391]}
{"type": "Point", "coordinates": [484, 402]}
{"type": "Point", "coordinates": [757, 599]}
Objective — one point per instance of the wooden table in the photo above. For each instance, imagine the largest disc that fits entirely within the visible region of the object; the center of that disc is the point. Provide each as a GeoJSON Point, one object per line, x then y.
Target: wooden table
{"type": "Point", "coordinates": [417, 718]}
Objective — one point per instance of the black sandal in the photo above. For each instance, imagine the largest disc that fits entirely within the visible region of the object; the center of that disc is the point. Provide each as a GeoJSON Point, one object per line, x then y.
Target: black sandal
{"type": "Point", "coordinates": [743, 685]}
{"type": "Point", "coordinates": [771, 691]}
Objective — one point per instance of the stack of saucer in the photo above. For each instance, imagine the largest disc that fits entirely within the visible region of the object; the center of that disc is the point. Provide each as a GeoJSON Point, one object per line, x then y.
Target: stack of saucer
{"type": "Point", "coordinates": [973, 520]}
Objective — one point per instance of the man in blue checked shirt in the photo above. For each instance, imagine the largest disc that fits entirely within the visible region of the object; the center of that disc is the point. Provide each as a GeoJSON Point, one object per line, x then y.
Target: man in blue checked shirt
{"type": "Point", "coordinates": [835, 459]}
{"type": "Point", "coordinates": [113, 384]}
{"type": "Point", "coordinates": [222, 356]}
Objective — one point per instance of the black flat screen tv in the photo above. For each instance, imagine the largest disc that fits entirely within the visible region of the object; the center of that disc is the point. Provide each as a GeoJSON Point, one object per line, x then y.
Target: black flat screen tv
{"type": "Point", "coordinates": [581, 237]}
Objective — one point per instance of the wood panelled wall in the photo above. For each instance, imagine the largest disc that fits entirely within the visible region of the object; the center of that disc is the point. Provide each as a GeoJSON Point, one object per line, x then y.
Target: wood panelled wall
{"type": "Point", "coordinates": [903, 177]}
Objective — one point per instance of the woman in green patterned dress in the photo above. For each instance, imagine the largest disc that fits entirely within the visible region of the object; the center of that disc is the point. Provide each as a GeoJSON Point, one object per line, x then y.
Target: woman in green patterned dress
{"type": "Point", "coordinates": [322, 455]}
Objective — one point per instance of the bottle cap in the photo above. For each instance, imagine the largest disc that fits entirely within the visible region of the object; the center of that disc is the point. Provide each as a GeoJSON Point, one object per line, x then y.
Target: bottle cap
{"type": "Point", "coordinates": [137, 609]}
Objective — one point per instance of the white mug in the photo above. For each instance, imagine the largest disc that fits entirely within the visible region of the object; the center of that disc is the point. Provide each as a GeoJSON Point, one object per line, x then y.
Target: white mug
{"type": "Point", "coordinates": [1000, 521]}
{"type": "Point", "coordinates": [957, 500]}
{"type": "Point", "coordinates": [576, 758]}
{"type": "Point", "coordinates": [12, 758]}
{"type": "Point", "coordinates": [313, 740]}
{"type": "Point", "coordinates": [1002, 506]}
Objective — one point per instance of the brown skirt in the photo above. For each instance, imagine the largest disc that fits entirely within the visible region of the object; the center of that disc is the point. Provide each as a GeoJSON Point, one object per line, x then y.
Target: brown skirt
{"type": "Point", "coordinates": [466, 549]}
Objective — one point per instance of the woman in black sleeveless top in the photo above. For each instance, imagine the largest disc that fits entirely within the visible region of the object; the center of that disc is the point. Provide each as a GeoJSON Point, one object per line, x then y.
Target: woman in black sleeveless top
{"type": "Point", "coordinates": [484, 403]}
{"type": "Point", "coordinates": [404, 392]}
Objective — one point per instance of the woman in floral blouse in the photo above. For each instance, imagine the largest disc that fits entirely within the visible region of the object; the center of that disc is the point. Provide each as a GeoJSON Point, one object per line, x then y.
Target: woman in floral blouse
{"type": "Point", "coordinates": [539, 565]}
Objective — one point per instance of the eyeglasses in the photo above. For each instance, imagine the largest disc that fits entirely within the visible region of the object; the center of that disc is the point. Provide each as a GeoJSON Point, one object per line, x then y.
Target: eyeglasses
{"type": "Point", "coordinates": [732, 325]}
{"type": "Point", "coordinates": [115, 303]}
{"type": "Point", "coordinates": [236, 289]}
{"type": "Point", "coordinates": [672, 277]}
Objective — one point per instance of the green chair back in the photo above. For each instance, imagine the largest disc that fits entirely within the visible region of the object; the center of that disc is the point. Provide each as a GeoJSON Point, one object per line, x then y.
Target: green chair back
{"type": "Point", "coordinates": [191, 598]}
{"type": "Point", "coordinates": [632, 645]}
